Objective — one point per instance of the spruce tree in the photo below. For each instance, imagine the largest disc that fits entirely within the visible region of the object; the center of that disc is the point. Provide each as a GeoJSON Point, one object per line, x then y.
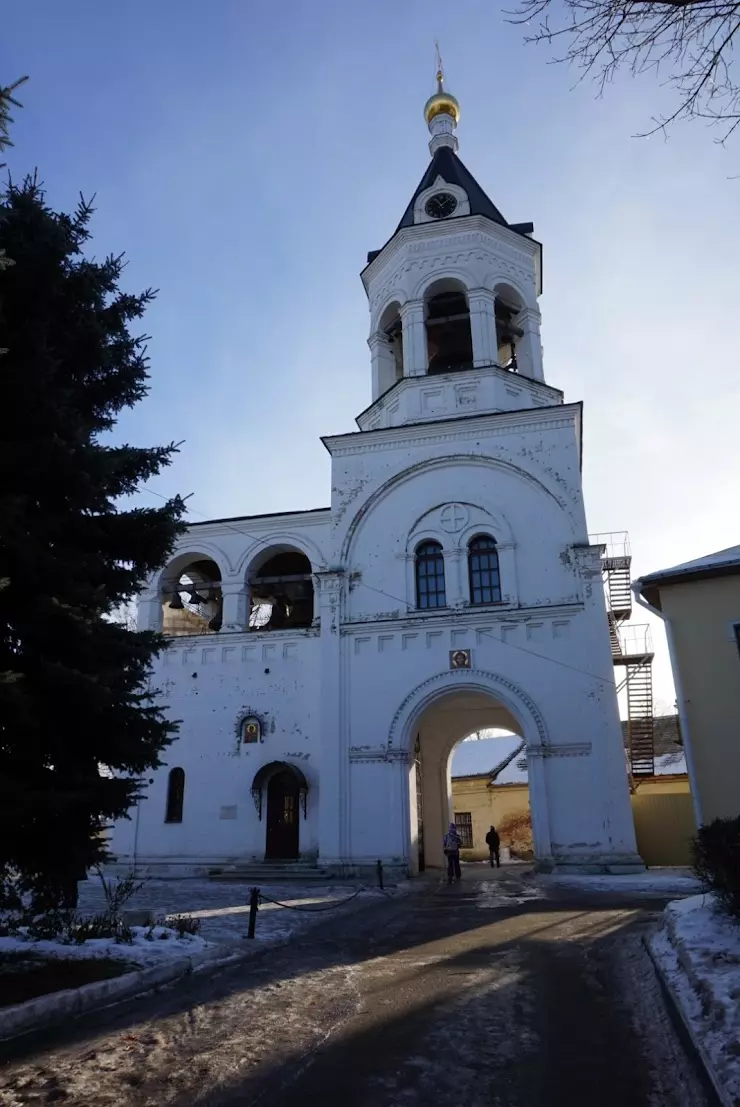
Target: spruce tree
{"type": "Point", "coordinates": [79, 724]}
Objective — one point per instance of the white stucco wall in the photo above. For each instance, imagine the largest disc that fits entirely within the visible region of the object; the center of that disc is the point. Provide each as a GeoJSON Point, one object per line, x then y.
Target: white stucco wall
{"type": "Point", "coordinates": [211, 683]}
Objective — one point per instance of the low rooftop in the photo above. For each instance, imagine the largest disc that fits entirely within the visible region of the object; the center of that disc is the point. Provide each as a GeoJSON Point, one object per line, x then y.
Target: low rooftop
{"type": "Point", "coordinates": [719, 564]}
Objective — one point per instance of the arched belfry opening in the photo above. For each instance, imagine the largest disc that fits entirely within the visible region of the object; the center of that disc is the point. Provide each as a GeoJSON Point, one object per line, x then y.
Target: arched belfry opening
{"type": "Point", "coordinates": [281, 591]}
{"type": "Point", "coordinates": [447, 320]}
{"type": "Point", "coordinates": [192, 601]}
{"type": "Point", "coordinates": [442, 725]}
{"type": "Point", "coordinates": [507, 306]}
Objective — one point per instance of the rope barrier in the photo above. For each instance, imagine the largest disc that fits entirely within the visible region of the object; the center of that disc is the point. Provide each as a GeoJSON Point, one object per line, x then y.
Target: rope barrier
{"type": "Point", "coordinates": [321, 907]}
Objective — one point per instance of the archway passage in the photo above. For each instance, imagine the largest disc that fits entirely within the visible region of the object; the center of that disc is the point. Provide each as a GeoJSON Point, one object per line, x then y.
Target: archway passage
{"type": "Point", "coordinates": [441, 726]}
{"type": "Point", "coordinates": [282, 817]}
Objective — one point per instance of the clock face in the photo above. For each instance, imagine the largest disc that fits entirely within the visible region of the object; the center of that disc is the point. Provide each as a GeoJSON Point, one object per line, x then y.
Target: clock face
{"type": "Point", "coordinates": [441, 205]}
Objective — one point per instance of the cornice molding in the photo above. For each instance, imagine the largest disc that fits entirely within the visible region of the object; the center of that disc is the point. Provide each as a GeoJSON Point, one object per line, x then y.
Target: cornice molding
{"type": "Point", "coordinates": [380, 754]}
{"type": "Point", "coordinates": [238, 638]}
{"type": "Point", "coordinates": [457, 429]}
{"type": "Point", "coordinates": [469, 230]}
{"type": "Point", "coordinates": [569, 749]}
{"type": "Point", "coordinates": [537, 389]}
{"type": "Point", "coordinates": [460, 618]}
{"type": "Point", "coordinates": [256, 526]}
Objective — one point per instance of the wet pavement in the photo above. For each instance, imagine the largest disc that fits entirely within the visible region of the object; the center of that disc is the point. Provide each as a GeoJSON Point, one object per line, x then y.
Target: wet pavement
{"type": "Point", "coordinates": [491, 993]}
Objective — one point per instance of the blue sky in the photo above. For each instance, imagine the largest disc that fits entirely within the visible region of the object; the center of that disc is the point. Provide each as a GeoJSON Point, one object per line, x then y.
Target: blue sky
{"type": "Point", "coordinates": [247, 155]}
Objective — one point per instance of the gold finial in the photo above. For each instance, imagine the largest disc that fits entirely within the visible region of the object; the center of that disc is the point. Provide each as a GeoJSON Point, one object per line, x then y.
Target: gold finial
{"type": "Point", "coordinates": [441, 103]}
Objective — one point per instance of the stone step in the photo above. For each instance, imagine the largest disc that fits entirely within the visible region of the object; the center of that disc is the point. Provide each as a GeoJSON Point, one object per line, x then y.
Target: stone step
{"type": "Point", "coordinates": [270, 874]}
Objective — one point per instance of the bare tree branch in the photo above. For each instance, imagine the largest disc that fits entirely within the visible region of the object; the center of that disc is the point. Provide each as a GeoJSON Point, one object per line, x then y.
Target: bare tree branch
{"type": "Point", "coordinates": [689, 44]}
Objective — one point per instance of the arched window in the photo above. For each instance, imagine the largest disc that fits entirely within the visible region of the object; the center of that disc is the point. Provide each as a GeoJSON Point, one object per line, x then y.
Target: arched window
{"type": "Point", "coordinates": [485, 580]}
{"type": "Point", "coordinates": [175, 796]}
{"type": "Point", "coordinates": [430, 576]}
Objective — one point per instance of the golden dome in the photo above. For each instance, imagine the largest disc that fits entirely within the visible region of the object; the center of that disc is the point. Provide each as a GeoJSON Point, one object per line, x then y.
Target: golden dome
{"type": "Point", "coordinates": [441, 103]}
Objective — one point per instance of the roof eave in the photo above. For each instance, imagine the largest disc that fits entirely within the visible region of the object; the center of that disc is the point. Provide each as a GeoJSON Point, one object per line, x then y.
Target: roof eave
{"type": "Point", "coordinates": [650, 585]}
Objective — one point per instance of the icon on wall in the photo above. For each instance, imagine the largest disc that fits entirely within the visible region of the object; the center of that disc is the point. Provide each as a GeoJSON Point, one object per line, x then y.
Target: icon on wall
{"type": "Point", "coordinates": [251, 729]}
{"type": "Point", "coordinates": [460, 659]}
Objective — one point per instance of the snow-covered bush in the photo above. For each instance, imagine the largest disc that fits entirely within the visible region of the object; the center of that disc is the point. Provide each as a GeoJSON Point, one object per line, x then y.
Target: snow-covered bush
{"type": "Point", "coordinates": [183, 924]}
{"type": "Point", "coordinates": [716, 853]}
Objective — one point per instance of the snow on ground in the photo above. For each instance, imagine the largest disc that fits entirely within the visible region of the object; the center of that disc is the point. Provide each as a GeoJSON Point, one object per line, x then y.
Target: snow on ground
{"type": "Point", "coordinates": [163, 945]}
{"type": "Point", "coordinates": [698, 950]}
{"type": "Point", "coordinates": [223, 909]}
{"type": "Point", "coordinates": [651, 882]}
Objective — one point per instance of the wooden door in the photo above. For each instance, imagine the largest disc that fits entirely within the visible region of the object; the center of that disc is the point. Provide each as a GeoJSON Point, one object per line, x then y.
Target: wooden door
{"type": "Point", "coordinates": [282, 817]}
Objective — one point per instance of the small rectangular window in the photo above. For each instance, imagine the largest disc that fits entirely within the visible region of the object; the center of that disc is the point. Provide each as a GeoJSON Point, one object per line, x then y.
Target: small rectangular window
{"type": "Point", "coordinates": [464, 827]}
{"type": "Point", "coordinates": [736, 629]}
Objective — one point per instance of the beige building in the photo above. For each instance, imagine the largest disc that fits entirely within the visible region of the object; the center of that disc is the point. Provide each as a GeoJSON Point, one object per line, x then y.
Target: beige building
{"type": "Point", "coordinates": [699, 603]}
{"type": "Point", "coordinates": [497, 795]}
{"type": "Point", "coordinates": [490, 786]}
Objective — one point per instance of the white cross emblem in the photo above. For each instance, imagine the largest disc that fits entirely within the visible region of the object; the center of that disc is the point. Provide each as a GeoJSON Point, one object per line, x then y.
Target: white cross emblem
{"type": "Point", "coordinates": [453, 518]}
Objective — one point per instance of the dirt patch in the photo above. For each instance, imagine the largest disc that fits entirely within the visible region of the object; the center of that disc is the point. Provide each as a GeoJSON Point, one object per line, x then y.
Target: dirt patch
{"type": "Point", "coordinates": [25, 976]}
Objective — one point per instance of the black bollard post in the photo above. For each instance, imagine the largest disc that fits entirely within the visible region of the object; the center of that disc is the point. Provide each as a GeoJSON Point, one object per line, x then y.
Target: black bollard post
{"type": "Point", "coordinates": [254, 902]}
{"type": "Point", "coordinates": [380, 874]}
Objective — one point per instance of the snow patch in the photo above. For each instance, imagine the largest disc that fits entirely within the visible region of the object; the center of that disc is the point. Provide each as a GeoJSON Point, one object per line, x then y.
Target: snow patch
{"type": "Point", "coordinates": [650, 882]}
{"type": "Point", "coordinates": [163, 945]}
{"type": "Point", "coordinates": [698, 951]}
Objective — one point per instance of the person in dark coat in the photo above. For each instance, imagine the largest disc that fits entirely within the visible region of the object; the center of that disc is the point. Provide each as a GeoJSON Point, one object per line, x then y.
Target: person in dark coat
{"type": "Point", "coordinates": [494, 846]}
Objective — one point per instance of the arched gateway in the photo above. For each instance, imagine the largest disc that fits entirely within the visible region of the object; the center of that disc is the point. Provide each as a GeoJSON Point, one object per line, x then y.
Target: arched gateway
{"type": "Point", "coordinates": [437, 715]}
{"type": "Point", "coordinates": [450, 586]}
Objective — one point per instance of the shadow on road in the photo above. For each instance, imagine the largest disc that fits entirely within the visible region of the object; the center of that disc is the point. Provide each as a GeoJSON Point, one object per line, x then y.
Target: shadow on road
{"type": "Point", "coordinates": [430, 919]}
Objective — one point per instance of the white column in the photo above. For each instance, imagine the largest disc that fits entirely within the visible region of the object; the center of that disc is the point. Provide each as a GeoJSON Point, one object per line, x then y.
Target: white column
{"type": "Point", "coordinates": [334, 754]}
{"type": "Point", "coordinates": [483, 327]}
{"type": "Point", "coordinates": [415, 356]}
{"type": "Point", "coordinates": [539, 807]}
{"type": "Point", "coordinates": [235, 598]}
{"type": "Point", "coordinates": [529, 346]}
{"type": "Point", "coordinates": [149, 612]}
{"type": "Point", "coordinates": [455, 591]}
{"type": "Point", "coordinates": [383, 363]}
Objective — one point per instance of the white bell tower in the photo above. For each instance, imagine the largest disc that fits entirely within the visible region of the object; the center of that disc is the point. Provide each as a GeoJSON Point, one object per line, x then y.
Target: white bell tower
{"type": "Point", "coordinates": [454, 289]}
{"type": "Point", "coordinates": [466, 592]}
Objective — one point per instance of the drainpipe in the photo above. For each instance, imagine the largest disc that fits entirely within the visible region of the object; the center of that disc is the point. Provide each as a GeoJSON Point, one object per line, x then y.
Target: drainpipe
{"type": "Point", "coordinates": [681, 702]}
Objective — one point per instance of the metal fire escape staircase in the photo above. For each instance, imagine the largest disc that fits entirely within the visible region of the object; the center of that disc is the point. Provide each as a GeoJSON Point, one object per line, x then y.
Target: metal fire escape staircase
{"type": "Point", "coordinates": [631, 651]}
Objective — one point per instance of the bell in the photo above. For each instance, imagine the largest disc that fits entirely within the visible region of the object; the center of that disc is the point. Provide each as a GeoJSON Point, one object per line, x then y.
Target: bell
{"type": "Point", "coordinates": [196, 598]}
{"type": "Point", "coordinates": [176, 602]}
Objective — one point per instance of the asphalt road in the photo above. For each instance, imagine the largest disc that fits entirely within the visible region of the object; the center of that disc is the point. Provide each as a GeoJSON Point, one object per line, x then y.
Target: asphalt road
{"type": "Point", "coordinates": [486, 994]}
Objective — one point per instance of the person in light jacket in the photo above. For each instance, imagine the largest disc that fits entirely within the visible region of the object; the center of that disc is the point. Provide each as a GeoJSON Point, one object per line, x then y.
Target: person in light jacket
{"type": "Point", "coordinates": [451, 844]}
